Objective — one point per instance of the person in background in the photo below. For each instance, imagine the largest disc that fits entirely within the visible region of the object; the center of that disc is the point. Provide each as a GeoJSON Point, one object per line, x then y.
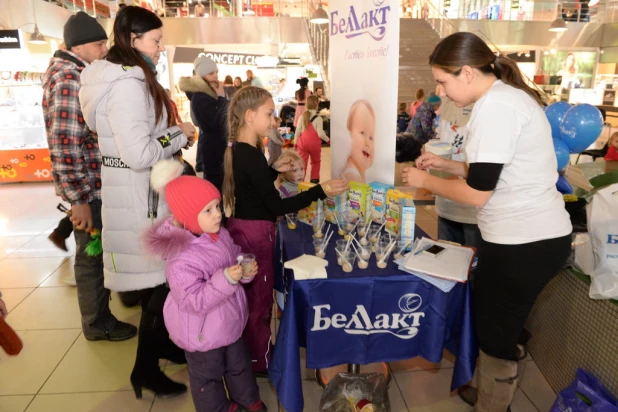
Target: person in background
{"type": "Point", "coordinates": [287, 182]}
{"type": "Point", "coordinates": [612, 151]}
{"type": "Point", "coordinates": [310, 135]}
{"type": "Point", "coordinates": [422, 123]}
{"type": "Point", "coordinates": [238, 83]}
{"type": "Point", "coordinates": [511, 178]}
{"type": "Point", "coordinates": [228, 87]}
{"type": "Point", "coordinates": [125, 104]}
{"type": "Point", "coordinates": [301, 97]}
{"type": "Point", "coordinates": [252, 80]}
{"type": "Point", "coordinates": [76, 169]}
{"type": "Point", "coordinates": [283, 83]}
{"type": "Point", "coordinates": [199, 10]}
{"type": "Point", "coordinates": [403, 118]}
{"type": "Point", "coordinates": [174, 107]}
{"type": "Point", "coordinates": [275, 143]}
{"type": "Point", "coordinates": [250, 194]}
{"type": "Point", "coordinates": [420, 95]}
{"type": "Point", "coordinates": [319, 91]}
{"type": "Point", "coordinates": [209, 106]}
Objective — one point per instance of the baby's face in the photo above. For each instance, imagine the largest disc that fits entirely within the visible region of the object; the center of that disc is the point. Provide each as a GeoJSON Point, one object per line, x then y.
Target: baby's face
{"type": "Point", "coordinates": [362, 132]}
{"type": "Point", "coordinates": [614, 142]}
{"type": "Point", "coordinates": [296, 174]}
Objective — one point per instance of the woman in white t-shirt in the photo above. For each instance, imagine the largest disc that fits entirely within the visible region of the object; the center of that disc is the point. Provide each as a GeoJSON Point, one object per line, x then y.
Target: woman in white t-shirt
{"type": "Point", "coordinates": [510, 176]}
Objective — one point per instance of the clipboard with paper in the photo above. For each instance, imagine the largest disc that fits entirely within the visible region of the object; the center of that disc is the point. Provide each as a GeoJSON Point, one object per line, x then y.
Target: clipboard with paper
{"type": "Point", "coordinates": [453, 263]}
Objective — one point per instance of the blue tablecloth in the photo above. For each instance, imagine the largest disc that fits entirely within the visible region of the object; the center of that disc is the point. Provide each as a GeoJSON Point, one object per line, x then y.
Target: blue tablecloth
{"type": "Point", "coordinates": [371, 315]}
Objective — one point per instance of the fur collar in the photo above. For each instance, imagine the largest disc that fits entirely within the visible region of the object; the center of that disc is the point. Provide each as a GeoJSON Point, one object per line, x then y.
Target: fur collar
{"type": "Point", "coordinates": [166, 240]}
{"type": "Point", "coordinates": [195, 84]}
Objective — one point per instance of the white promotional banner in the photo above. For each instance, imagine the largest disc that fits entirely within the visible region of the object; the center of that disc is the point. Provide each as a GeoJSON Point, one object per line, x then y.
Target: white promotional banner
{"type": "Point", "coordinates": [364, 72]}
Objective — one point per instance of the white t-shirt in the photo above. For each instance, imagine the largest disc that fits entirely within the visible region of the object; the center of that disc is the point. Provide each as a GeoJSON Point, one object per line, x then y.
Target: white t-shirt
{"type": "Point", "coordinates": [452, 129]}
{"type": "Point", "coordinates": [507, 126]}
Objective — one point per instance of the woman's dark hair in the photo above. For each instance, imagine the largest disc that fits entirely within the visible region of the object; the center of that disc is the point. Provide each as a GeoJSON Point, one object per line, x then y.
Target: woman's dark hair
{"type": "Point", "coordinates": [300, 93]}
{"type": "Point", "coordinates": [239, 81]}
{"type": "Point", "coordinates": [228, 80]}
{"type": "Point", "coordinates": [137, 20]}
{"type": "Point", "coordinates": [467, 49]}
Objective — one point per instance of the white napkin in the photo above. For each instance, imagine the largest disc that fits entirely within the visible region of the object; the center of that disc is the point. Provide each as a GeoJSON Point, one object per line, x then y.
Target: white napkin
{"type": "Point", "coordinates": [307, 267]}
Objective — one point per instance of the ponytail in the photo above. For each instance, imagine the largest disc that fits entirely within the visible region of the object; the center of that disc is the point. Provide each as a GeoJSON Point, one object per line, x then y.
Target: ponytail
{"type": "Point", "coordinates": [247, 98]}
{"type": "Point", "coordinates": [467, 49]}
{"type": "Point", "coordinates": [312, 104]}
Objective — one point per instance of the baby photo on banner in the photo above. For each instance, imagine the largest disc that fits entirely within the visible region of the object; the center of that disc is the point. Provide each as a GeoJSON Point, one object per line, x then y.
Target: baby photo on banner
{"type": "Point", "coordinates": [364, 72]}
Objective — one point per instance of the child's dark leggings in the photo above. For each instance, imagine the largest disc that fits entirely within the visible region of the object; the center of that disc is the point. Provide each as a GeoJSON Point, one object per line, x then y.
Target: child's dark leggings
{"type": "Point", "coordinates": [65, 228]}
{"type": "Point", "coordinates": [206, 373]}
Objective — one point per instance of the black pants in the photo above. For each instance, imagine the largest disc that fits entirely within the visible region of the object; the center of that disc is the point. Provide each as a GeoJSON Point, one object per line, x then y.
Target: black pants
{"type": "Point", "coordinates": [153, 299]}
{"type": "Point", "coordinates": [206, 373]}
{"type": "Point", "coordinates": [508, 280]}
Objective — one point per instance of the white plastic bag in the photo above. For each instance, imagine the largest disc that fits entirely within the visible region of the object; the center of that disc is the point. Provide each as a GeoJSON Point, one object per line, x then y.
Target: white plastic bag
{"type": "Point", "coordinates": [603, 228]}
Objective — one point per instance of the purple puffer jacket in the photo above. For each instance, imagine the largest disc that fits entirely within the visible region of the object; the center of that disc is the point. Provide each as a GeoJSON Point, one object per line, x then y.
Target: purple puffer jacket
{"type": "Point", "coordinates": [203, 311]}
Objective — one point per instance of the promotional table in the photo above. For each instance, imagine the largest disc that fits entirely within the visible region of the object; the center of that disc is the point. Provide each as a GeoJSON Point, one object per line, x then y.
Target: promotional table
{"type": "Point", "coordinates": [366, 316]}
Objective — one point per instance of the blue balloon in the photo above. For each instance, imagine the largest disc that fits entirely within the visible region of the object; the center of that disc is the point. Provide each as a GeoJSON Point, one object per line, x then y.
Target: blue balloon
{"type": "Point", "coordinates": [563, 154]}
{"type": "Point", "coordinates": [581, 126]}
{"type": "Point", "coordinates": [563, 186]}
{"type": "Point", "coordinates": [555, 113]}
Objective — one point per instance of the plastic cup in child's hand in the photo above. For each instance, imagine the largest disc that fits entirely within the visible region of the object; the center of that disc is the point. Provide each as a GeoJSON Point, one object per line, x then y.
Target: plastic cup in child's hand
{"type": "Point", "coordinates": [248, 264]}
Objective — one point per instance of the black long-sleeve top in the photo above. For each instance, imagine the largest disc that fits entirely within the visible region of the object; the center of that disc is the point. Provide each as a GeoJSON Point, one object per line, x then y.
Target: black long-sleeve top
{"type": "Point", "coordinates": [254, 189]}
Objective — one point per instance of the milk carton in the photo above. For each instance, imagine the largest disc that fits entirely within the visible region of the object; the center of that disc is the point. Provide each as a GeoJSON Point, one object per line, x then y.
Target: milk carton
{"type": "Point", "coordinates": [408, 220]}
{"type": "Point", "coordinates": [377, 206]}
{"type": "Point", "coordinates": [359, 199]}
{"type": "Point", "coordinates": [307, 214]}
{"type": "Point", "coordinates": [337, 204]}
{"type": "Point", "coordinates": [393, 213]}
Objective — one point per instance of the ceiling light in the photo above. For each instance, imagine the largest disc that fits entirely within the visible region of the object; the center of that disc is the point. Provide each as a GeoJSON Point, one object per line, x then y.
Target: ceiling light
{"type": "Point", "coordinates": [319, 16]}
{"type": "Point", "coordinates": [37, 37]}
{"type": "Point", "coordinates": [558, 25]}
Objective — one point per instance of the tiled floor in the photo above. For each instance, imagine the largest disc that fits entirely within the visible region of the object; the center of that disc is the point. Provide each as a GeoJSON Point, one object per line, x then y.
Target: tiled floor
{"type": "Point", "coordinates": [59, 370]}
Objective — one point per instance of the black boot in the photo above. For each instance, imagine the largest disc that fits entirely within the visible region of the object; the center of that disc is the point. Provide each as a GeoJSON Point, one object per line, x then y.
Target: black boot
{"type": "Point", "coordinates": [174, 354]}
{"type": "Point", "coordinates": [153, 338]}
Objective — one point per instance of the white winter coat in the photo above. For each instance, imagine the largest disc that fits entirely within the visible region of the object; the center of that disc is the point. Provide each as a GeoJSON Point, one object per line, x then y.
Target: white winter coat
{"type": "Point", "coordinates": [117, 106]}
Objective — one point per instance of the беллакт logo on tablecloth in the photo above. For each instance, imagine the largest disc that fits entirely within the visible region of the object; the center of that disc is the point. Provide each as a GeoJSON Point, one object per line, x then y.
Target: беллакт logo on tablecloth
{"type": "Point", "coordinates": [364, 73]}
{"type": "Point", "coordinates": [403, 325]}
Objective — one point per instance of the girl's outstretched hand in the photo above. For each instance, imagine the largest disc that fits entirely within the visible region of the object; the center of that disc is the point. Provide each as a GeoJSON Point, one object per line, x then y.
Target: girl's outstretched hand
{"type": "Point", "coordinates": [334, 187]}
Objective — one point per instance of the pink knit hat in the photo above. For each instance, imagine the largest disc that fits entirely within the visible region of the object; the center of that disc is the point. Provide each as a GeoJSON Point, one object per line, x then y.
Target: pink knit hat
{"type": "Point", "coordinates": [186, 196]}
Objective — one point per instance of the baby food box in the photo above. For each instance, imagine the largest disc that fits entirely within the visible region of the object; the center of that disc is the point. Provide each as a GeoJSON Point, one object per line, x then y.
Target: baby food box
{"type": "Point", "coordinates": [408, 221]}
{"type": "Point", "coordinates": [394, 210]}
{"type": "Point", "coordinates": [307, 214]}
{"type": "Point", "coordinates": [378, 201]}
{"type": "Point", "coordinates": [334, 204]}
{"type": "Point", "coordinates": [359, 199]}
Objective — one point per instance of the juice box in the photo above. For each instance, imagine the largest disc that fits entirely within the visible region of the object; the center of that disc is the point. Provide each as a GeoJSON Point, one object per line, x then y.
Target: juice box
{"type": "Point", "coordinates": [307, 214]}
{"type": "Point", "coordinates": [359, 199]}
{"type": "Point", "coordinates": [408, 221]}
{"type": "Point", "coordinates": [337, 204]}
{"type": "Point", "coordinates": [378, 201]}
{"type": "Point", "coordinates": [393, 212]}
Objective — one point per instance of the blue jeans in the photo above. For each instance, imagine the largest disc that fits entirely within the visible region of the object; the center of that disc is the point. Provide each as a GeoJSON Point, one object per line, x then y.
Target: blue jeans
{"type": "Point", "coordinates": [463, 233]}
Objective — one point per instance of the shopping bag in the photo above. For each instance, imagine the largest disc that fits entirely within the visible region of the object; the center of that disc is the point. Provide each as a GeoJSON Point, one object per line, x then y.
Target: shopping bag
{"type": "Point", "coordinates": [585, 394]}
{"type": "Point", "coordinates": [603, 228]}
{"type": "Point", "coordinates": [352, 393]}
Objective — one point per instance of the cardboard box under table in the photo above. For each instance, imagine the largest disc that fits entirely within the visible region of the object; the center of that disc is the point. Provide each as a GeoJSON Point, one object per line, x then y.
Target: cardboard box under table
{"type": "Point", "coordinates": [368, 315]}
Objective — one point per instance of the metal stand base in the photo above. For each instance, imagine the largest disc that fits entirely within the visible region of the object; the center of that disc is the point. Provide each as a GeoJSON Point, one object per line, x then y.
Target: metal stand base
{"type": "Point", "coordinates": [354, 369]}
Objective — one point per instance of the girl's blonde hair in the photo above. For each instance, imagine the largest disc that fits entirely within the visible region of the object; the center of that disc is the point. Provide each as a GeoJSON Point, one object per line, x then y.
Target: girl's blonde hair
{"type": "Point", "coordinates": [312, 104]}
{"type": "Point", "coordinates": [292, 154]}
{"type": "Point", "coordinates": [247, 98]}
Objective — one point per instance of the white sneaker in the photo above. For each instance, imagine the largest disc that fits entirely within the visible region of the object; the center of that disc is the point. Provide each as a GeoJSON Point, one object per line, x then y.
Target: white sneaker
{"type": "Point", "coordinates": [69, 280]}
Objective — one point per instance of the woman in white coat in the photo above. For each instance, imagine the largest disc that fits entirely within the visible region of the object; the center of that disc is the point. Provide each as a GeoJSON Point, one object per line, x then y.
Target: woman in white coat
{"type": "Point", "coordinates": [131, 113]}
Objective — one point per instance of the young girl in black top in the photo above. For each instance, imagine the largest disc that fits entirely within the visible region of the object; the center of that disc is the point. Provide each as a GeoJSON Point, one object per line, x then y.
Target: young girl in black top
{"type": "Point", "coordinates": [250, 194]}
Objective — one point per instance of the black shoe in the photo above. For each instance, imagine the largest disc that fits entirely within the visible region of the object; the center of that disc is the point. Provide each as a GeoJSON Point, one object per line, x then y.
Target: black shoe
{"type": "Point", "coordinates": [119, 332]}
{"type": "Point", "coordinates": [153, 341]}
{"type": "Point", "coordinates": [156, 382]}
{"type": "Point", "coordinates": [59, 242]}
{"type": "Point", "coordinates": [316, 181]}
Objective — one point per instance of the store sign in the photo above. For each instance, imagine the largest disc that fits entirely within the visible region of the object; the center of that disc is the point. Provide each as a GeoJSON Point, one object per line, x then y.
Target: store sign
{"type": "Point", "coordinates": [188, 55]}
{"type": "Point", "coordinates": [364, 41]}
{"type": "Point", "coordinates": [9, 39]}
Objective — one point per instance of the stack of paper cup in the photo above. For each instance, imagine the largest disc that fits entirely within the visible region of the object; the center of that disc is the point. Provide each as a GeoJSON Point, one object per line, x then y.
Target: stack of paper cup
{"type": "Point", "coordinates": [441, 149]}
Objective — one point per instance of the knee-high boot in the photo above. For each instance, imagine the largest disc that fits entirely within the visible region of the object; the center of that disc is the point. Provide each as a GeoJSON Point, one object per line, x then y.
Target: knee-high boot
{"type": "Point", "coordinates": [152, 341]}
{"type": "Point", "coordinates": [497, 384]}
